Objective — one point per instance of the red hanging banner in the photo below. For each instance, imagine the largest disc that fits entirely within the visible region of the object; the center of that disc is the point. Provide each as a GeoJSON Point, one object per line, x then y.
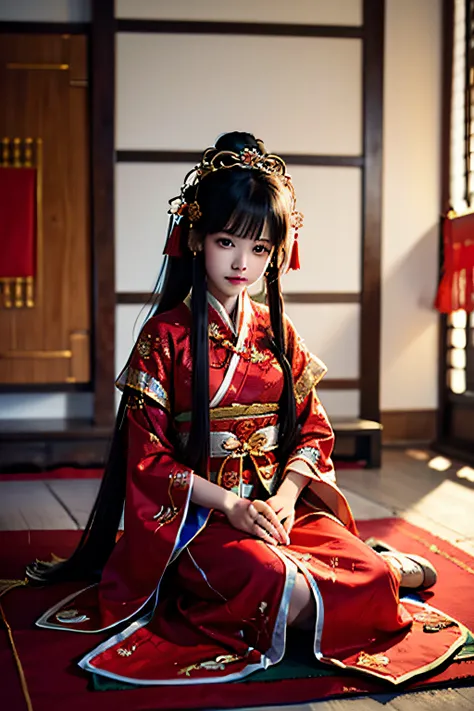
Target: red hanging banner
{"type": "Point", "coordinates": [456, 289]}
{"type": "Point", "coordinates": [17, 222]}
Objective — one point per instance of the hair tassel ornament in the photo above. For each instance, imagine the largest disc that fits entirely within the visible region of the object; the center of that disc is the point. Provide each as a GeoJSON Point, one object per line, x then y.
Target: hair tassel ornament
{"type": "Point", "coordinates": [296, 224]}
{"type": "Point", "coordinates": [173, 240]}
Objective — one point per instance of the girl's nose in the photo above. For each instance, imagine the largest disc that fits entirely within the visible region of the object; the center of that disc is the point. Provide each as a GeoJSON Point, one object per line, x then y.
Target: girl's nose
{"type": "Point", "coordinates": [240, 262]}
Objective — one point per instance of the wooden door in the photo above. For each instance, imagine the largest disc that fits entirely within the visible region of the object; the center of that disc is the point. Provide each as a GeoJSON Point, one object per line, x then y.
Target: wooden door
{"type": "Point", "coordinates": [43, 84]}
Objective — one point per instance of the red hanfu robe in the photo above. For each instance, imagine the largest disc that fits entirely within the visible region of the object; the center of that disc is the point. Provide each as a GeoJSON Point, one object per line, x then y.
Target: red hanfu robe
{"type": "Point", "coordinates": [205, 602]}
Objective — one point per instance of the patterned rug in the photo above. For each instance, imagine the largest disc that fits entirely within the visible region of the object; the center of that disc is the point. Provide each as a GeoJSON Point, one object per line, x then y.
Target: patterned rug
{"type": "Point", "coordinates": [52, 680]}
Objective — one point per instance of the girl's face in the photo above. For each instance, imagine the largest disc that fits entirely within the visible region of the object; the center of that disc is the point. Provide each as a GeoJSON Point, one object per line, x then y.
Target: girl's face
{"type": "Point", "coordinates": [233, 264]}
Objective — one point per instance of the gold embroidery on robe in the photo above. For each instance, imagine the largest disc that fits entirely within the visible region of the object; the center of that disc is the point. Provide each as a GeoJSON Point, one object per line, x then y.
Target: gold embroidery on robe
{"type": "Point", "coordinates": [372, 661]}
{"type": "Point", "coordinates": [144, 346]}
{"type": "Point", "coordinates": [144, 383]}
{"type": "Point", "coordinates": [309, 378]}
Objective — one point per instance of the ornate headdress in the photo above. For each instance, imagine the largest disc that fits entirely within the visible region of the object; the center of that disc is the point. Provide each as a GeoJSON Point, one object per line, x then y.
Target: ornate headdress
{"type": "Point", "coordinates": [212, 161]}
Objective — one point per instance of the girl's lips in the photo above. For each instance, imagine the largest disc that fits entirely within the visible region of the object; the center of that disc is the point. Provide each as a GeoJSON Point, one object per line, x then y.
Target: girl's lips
{"type": "Point", "coordinates": [237, 280]}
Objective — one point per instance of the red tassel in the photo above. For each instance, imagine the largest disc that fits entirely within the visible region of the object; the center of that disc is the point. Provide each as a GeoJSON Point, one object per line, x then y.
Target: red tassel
{"type": "Point", "coordinates": [295, 255]}
{"type": "Point", "coordinates": [173, 243]}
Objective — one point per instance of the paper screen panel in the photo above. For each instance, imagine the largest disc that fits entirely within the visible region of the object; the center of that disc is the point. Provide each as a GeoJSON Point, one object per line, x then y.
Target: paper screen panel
{"type": "Point", "coordinates": [142, 192]}
{"type": "Point", "coordinates": [340, 403]}
{"type": "Point", "coordinates": [128, 324]}
{"type": "Point", "coordinates": [180, 92]}
{"type": "Point", "coordinates": [330, 241]}
{"type": "Point", "coordinates": [311, 12]}
{"type": "Point", "coordinates": [331, 332]}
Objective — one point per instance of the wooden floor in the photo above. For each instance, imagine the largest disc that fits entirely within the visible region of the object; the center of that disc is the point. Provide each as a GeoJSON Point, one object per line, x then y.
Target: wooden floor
{"type": "Point", "coordinates": [426, 490]}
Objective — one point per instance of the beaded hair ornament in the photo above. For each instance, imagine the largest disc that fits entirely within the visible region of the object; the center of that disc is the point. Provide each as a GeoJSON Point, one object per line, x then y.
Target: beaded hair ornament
{"type": "Point", "coordinates": [211, 161]}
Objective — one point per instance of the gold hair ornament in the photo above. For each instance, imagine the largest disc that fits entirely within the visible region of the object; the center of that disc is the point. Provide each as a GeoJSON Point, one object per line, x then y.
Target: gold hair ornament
{"type": "Point", "coordinates": [212, 161]}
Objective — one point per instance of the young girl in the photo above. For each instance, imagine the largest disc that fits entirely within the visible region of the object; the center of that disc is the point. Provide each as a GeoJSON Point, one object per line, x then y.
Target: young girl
{"type": "Point", "coordinates": [234, 527]}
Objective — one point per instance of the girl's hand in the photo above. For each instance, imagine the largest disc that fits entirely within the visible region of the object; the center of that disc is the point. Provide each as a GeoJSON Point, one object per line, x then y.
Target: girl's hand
{"type": "Point", "coordinates": [256, 518]}
{"type": "Point", "coordinates": [284, 508]}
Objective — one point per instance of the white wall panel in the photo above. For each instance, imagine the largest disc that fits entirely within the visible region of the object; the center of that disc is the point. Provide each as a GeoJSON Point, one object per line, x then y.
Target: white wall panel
{"type": "Point", "coordinates": [301, 95]}
{"type": "Point", "coordinates": [142, 191]}
{"type": "Point", "coordinates": [412, 107]}
{"type": "Point", "coordinates": [340, 403]}
{"type": "Point", "coordinates": [45, 10]}
{"type": "Point", "coordinates": [331, 332]}
{"type": "Point", "coordinates": [330, 241]}
{"type": "Point", "coordinates": [335, 12]}
{"type": "Point", "coordinates": [26, 406]}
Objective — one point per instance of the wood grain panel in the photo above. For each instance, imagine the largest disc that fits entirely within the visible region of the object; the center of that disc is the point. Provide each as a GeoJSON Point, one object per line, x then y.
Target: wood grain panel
{"type": "Point", "coordinates": [41, 104]}
{"type": "Point", "coordinates": [408, 425]}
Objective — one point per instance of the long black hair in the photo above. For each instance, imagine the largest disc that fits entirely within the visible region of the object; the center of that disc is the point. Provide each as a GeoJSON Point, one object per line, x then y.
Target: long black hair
{"type": "Point", "coordinates": [240, 202]}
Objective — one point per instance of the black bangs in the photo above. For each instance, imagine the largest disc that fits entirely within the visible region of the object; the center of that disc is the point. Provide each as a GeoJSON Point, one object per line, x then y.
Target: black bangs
{"type": "Point", "coordinates": [243, 223]}
{"type": "Point", "coordinates": [242, 202]}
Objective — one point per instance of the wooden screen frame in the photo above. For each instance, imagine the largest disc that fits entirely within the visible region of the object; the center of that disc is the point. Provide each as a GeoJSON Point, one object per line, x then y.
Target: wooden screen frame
{"type": "Point", "coordinates": [371, 32]}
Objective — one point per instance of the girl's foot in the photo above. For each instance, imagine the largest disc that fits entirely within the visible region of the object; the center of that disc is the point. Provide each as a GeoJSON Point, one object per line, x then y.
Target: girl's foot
{"type": "Point", "coordinates": [417, 573]}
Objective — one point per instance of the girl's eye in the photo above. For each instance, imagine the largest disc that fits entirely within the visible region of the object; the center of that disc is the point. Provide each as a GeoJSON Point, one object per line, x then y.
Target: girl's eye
{"type": "Point", "coordinates": [261, 249]}
{"type": "Point", "coordinates": [224, 242]}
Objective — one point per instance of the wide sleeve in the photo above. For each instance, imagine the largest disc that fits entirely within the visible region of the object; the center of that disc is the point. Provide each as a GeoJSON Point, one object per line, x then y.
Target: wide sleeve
{"type": "Point", "coordinates": [159, 518]}
{"type": "Point", "coordinates": [312, 453]}
{"type": "Point", "coordinates": [315, 435]}
{"type": "Point", "coordinates": [161, 482]}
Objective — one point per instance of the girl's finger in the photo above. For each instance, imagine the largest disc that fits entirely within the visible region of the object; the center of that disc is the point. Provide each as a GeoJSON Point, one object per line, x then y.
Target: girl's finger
{"type": "Point", "coordinates": [288, 523]}
{"type": "Point", "coordinates": [264, 523]}
{"type": "Point", "coordinates": [268, 513]}
{"type": "Point", "coordinates": [262, 533]}
{"type": "Point", "coordinates": [252, 511]}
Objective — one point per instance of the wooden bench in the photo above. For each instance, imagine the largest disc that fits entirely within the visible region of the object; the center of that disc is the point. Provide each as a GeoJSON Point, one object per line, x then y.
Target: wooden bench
{"type": "Point", "coordinates": [367, 435]}
{"type": "Point", "coordinates": [44, 444]}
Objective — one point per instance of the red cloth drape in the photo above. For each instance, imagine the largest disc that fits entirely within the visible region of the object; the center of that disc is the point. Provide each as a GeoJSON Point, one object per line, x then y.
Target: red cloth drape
{"type": "Point", "coordinates": [456, 289]}
{"type": "Point", "coordinates": [17, 222]}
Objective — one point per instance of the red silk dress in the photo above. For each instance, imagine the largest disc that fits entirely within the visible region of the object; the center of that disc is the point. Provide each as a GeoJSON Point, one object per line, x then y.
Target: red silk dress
{"type": "Point", "coordinates": [187, 598]}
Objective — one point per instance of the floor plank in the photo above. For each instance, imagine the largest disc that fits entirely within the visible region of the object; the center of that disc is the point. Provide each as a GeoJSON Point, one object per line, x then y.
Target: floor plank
{"type": "Point", "coordinates": [364, 509]}
{"type": "Point", "coordinates": [438, 700]}
{"type": "Point", "coordinates": [31, 505]}
{"type": "Point", "coordinates": [468, 693]}
{"type": "Point", "coordinates": [364, 703]}
{"type": "Point", "coordinates": [409, 487]}
{"type": "Point", "coordinates": [76, 495]}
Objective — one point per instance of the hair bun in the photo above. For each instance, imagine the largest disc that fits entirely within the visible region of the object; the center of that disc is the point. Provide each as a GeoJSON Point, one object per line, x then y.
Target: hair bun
{"type": "Point", "coordinates": [238, 140]}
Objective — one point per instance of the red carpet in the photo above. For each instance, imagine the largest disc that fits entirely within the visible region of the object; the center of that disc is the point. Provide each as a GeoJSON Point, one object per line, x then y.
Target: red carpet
{"type": "Point", "coordinates": [55, 683]}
